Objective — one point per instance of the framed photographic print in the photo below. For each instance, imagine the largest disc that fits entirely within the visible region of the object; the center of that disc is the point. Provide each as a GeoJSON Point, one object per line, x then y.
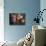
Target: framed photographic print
{"type": "Point", "coordinates": [17, 18]}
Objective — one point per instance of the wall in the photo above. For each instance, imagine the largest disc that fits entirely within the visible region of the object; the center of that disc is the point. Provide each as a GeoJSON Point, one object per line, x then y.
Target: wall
{"type": "Point", "coordinates": [29, 7]}
{"type": "Point", "coordinates": [43, 6]}
{"type": "Point", "coordinates": [1, 21]}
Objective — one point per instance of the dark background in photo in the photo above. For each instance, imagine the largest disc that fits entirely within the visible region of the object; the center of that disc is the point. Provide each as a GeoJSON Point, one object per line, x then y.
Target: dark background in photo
{"type": "Point", "coordinates": [17, 18]}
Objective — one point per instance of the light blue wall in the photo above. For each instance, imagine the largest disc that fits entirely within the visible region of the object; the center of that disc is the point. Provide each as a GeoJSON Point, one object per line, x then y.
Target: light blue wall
{"type": "Point", "coordinates": [43, 6]}
{"type": "Point", "coordinates": [29, 7]}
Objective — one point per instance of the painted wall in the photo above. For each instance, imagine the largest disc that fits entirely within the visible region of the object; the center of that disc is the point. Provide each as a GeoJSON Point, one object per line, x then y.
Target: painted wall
{"type": "Point", "coordinates": [43, 6]}
{"type": "Point", "coordinates": [29, 7]}
{"type": "Point", "coordinates": [1, 21]}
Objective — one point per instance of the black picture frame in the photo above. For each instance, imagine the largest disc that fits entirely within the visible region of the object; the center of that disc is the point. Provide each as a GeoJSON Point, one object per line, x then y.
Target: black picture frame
{"type": "Point", "coordinates": [17, 18]}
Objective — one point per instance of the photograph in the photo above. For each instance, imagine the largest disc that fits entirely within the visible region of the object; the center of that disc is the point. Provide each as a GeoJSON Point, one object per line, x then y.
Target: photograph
{"type": "Point", "coordinates": [17, 18]}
